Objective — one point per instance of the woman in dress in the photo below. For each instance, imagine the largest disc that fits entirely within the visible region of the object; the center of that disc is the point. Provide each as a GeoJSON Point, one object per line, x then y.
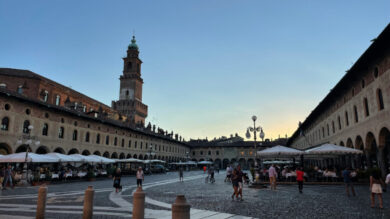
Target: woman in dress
{"type": "Point", "coordinates": [117, 180]}
{"type": "Point", "coordinates": [376, 183]}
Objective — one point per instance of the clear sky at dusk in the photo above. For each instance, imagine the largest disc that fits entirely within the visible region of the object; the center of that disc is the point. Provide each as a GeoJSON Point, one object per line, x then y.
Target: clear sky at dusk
{"type": "Point", "coordinates": [208, 66]}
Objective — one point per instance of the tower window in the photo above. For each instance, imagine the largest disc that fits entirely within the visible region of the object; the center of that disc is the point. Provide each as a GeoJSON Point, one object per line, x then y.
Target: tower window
{"type": "Point", "coordinates": [74, 137]}
{"type": "Point", "coordinates": [61, 132]}
{"type": "Point", "coordinates": [87, 137]}
{"type": "Point", "coordinates": [376, 72]}
{"type": "Point", "coordinates": [138, 68]}
{"type": "Point", "coordinates": [129, 66]}
{"type": "Point", "coordinates": [346, 118]}
{"type": "Point", "coordinates": [379, 95]}
{"type": "Point", "coordinates": [356, 114]}
{"type": "Point", "coordinates": [115, 141]}
{"type": "Point", "coordinates": [98, 139]}
{"type": "Point", "coordinates": [26, 124]}
{"type": "Point", "coordinates": [107, 140]}
{"type": "Point", "coordinates": [339, 121]}
{"type": "Point", "coordinates": [58, 99]}
{"type": "Point", "coordinates": [20, 89]}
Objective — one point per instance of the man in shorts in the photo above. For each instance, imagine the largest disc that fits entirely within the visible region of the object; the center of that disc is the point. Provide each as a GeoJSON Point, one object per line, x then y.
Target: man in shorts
{"type": "Point", "coordinates": [240, 175]}
{"type": "Point", "coordinates": [348, 182]}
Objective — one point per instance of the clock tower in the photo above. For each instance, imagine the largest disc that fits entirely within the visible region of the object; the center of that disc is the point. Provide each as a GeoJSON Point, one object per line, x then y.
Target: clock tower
{"type": "Point", "coordinates": [130, 92]}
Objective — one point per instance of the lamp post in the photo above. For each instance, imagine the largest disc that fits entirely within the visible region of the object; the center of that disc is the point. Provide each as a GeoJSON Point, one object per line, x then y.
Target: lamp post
{"type": "Point", "coordinates": [255, 129]}
{"type": "Point", "coordinates": [28, 140]}
{"type": "Point", "coordinates": [187, 156]}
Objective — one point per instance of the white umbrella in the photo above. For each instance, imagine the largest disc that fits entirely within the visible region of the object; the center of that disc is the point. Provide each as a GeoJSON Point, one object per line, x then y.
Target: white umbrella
{"type": "Point", "coordinates": [31, 157]}
{"type": "Point", "coordinates": [279, 151]}
{"type": "Point", "coordinates": [128, 160]}
{"type": "Point", "coordinates": [205, 162]}
{"type": "Point", "coordinates": [329, 149]}
{"type": "Point", "coordinates": [86, 159]}
{"type": "Point", "coordinates": [102, 159]}
{"type": "Point", "coordinates": [62, 157]}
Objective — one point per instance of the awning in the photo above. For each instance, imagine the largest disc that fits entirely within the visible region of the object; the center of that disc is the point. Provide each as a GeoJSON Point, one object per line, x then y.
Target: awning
{"type": "Point", "coordinates": [279, 151]}
{"type": "Point", "coordinates": [102, 159]}
{"type": "Point", "coordinates": [31, 157]}
{"type": "Point", "coordinates": [62, 157]}
{"type": "Point", "coordinates": [331, 149]}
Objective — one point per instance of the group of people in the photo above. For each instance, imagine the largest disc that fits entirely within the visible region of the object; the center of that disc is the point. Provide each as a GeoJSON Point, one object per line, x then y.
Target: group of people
{"type": "Point", "coordinates": [140, 176]}
{"type": "Point", "coordinates": [237, 177]}
{"type": "Point", "coordinates": [6, 176]}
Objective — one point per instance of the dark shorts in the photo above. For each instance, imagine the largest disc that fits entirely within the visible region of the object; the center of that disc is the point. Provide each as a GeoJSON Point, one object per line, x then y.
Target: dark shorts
{"type": "Point", "coordinates": [139, 182]}
{"type": "Point", "coordinates": [235, 183]}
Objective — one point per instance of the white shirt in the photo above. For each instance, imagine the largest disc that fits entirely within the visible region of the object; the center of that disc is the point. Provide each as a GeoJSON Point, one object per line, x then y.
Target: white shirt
{"type": "Point", "coordinates": [140, 174]}
{"type": "Point", "coordinates": [388, 178]}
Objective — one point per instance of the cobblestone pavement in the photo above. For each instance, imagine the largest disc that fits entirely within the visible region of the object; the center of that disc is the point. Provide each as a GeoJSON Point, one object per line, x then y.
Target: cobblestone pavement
{"type": "Point", "coordinates": [66, 200]}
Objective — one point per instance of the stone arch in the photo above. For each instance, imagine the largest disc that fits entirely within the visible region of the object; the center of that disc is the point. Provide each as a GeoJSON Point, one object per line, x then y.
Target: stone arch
{"type": "Point", "coordinates": [383, 139]}
{"type": "Point", "coordinates": [225, 163]}
{"type": "Point", "coordinates": [349, 143]}
{"type": "Point", "coordinates": [371, 150]}
{"type": "Point", "coordinates": [359, 143]}
{"type": "Point", "coordinates": [140, 157]}
{"type": "Point", "coordinates": [135, 156]}
{"type": "Point", "coordinates": [122, 156]}
{"type": "Point", "coordinates": [73, 151]}
{"type": "Point", "coordinates": [201, 159]}
{"type": "Point", "coordinates": [233, 161]}
{"type": "Point", "coordinates": [106, 154]}
{"type": "Point", "coordinates": [97, 153]}
{"type": "Point", "coordinates": [5, 149]}
{"type": "Point", "coordinates": [128, 156]}
{"type": "Point", "coordinates": [42, 150]}
{"type": "Point", "coordinates": [218, 163]}
{"type": "Point", "coordinates": [22, 148]}
{"type": "Point", "coordinates": [195, 160]}
{"type": "Point", "coordinates": [155, 157]}
{"type": "Point", "coordinates": [59, 150]}
{"type": "Point", "coordinates": [159, 157]}
{"type": "Point", "coordinates": [242, 163]}
{"type": "Point", "coordinates": [114, 155]}
{"type": "Point", "coordinates": [341, 143]}
{"type": "Point", "coordinates": [384, 146]}
{"type": "Point", "coordinates": [146, 157]}
{"type": "Point", "coordinates": [86, 152]}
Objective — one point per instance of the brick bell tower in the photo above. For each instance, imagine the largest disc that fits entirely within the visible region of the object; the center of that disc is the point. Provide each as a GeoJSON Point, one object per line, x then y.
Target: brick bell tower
{"type": "Point", "coordinates": [130, 93]}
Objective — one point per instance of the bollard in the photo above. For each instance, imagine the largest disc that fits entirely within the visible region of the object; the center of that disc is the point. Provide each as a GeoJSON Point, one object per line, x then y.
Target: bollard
{"type": "Point", "coordinates": [41, 203]}
{"type": "Point", "coordinates": [181, 209]}
{"type": "Point", "coordinates": [88, 203]}
{"type": "Point", "coordinates": [138, 204]}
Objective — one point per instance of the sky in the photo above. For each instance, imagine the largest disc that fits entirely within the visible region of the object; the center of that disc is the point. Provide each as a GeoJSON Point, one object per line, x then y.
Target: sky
{"type": "Point", "coordinates": [208, 65]}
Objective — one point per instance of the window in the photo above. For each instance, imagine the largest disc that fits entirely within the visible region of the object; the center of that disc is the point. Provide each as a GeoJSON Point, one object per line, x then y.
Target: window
{"type": "Point", "coordinates": [107, 140]}
{"type": "Point", "coordinates": [141, 145]}
{"type": "Point", "coordinates": [339, 121]}
{"type": "Point", "coordinates": [5, 124]}
{"type": "Point", "coordinates": [333, 129]}
{"type": "Point", "coordinates": [242, 153]}
{"type": "Point", "coordinates": [129, 143]}
{"type": "Point", "coordinates": [323, 132]}
{"type": "Point", "coordinates": [61, 132]}
{"type": "Point", "coordinates": [84, 109]}
{"type": "Point", "coordinates": [376, 72]}
{"type": "Point", "coordinates": [115, 141]}
{"type": "Point", "coordinates": [356, 114]}
{"type": "Point", "coordinates": [58, 100]}
{"type": "Point", "coordinates": [193, 153]}
{"type": "Point", "coordinates": [209, 152]}
{"type": "Point", "coordinates": [123, 143]}
{"type": "Point", "coordinates": [129, 66]}
{"type": "Point", "coordinates": [135, 144]}
{"type": "Point", "coordinates": [20, 89]}
{"type": "Point", "coordinates": [327, 128]}
{"type": "Point", "coordinates": [346, 118]}
{"type": "Point", "coordinates": [201, 153]}
{"type": "Point", "coordinates": [26, 124]}
{"type": "Point", "coordinates": [363, 83]}
{"type": "Point", "coordinates": [217, 152]}
{"type": "Point", "coordinates": [74, 136]}
{"type": "Point", "coordinates": [87, 137]}
{"type": "Point", "coordinates": [353, 91]}
{"type": "Point", "coordinates": [366, 110]}
{"type": "Point", "coordinates": [45, 96]}
{"type": "Point", "coordinates": [7, 107]}
{"type": "Point", "coordinates": [98, 139]}
{"type": "Point", "coordinates": [45, 129]}
{"type": "Point", "coordinates": [379, 96]}
{"type": "Point", "coordinates": [3, 85]}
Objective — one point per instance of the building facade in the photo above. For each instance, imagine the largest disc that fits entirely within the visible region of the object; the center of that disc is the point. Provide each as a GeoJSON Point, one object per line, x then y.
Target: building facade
{"type": "Point", "coordinates": [226, 151]}
{"type": "Point", "coordinates": [356, 112]}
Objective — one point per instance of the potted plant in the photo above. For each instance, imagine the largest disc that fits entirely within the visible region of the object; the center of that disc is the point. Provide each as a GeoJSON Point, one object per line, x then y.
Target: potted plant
{"type": "Point", "coordinates": [91, 175]}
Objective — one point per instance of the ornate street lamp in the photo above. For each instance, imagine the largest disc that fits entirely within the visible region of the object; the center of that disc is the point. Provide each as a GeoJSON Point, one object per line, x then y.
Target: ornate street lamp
{"type": "Point", "coordinates": [28, 140]}
{"type": "Point", "coordinates": [255, 129]}
{"type": "Point", "coordinates": [150, 154]}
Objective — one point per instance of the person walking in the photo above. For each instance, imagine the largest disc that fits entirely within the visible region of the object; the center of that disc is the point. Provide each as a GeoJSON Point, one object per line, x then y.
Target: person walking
{"type": "Point", "coordinates": [181, 174]}
{"type": "Point", "coordinates": [376, 183]}
{"type": "Point", "coordinates": [229, 171]}
{"type": "Point", "coordinates": [140, 177]}
{"type": "Point", "coordinates": [204, 169]}
{"type": "Point", "coordinates": [8, 177]}
{"type": "Point", "coordinates": [234, 179]}
{"type": "Point", "coordinates": [272, 174]}
{"type": "Point", "coordinates": [117, 180]}
{"type": "Point", "coordinates": [347, 180]}
{"type": "Point", "coordinates": [300, 174]}
{"type": "Point", "coordinates": [240, 175]}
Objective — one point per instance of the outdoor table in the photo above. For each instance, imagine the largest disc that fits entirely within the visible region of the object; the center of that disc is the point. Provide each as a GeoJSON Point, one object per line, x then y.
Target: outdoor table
{"type": "Point", "coordinates": [68, 175]}
{"type": "Point", "coordinates": [104, 173]}
{"type": "Point", "coordinates": [81, 174]}
{"type": "Point", "coordinates": [55, 176]}
{"type": "Point", "coordinates": [42, 176]}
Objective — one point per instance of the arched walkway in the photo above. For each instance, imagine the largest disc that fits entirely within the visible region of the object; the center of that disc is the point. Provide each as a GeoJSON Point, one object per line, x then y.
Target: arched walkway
{"type": "Point", "coordinates": [349, 143]}
{"type": "Point", "coordinates": [22, 148]}
{"type": "Point", "coordinates": [233, 162]}
{"type": "Point", "coordinates": [122, 156]}
{"type": "Point", "coordinates": [371, 150]}
{"type": "Point", "coordinates": [86, 152]}
{"type": "Point", "coordinates": [59, 150]}
{"type": "Point", "coordinates": [341, 143]}
{"type": "Point", "coordinates": [73, 151]}
{"type": "Point", "coordinates": [5, 149]}
{"type": "Point", "coordinates": [251, 163]}
{"type": "Point", "coordinates": [128, 156]}
{"type": "Point", "coordinates": [242, 163]}
{"type": "Point", "coordinates": [225, 163]}
{"type": "Point", "coordinates": [218, 163]}
{"type": "Point", "coordinates": [384, 147]}
{"type": "Point", "coordinates": [114, 155]}
{"type": "Point", "coordinates": [135, 156]}
{"type": "Point", "coordinates": [42, 150]}
{"type": "Point", "coordinates": [106, 154]}
{"type": "Point", "coordinates": [140, 157]}
{"type": "Point", "coordinates": [97, 153]}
